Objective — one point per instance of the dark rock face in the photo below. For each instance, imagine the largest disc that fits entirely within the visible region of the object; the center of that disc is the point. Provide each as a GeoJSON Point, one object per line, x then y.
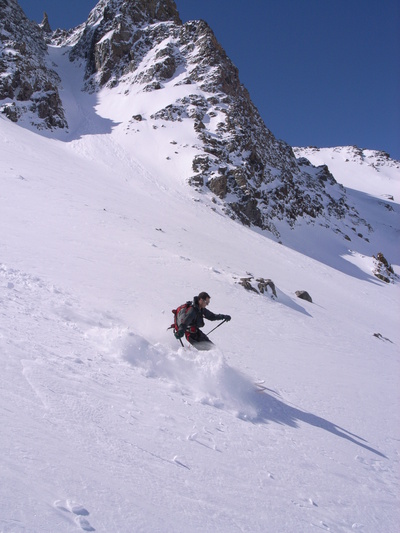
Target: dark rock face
{"type": "Point", "coordinates": [133, 28]}
{"type": "Point", "coordinates": [382, 269]}
{"type": "Point", "coordinates": [27, 85]}
{"type": "Point", "coordinates": [45, 25]}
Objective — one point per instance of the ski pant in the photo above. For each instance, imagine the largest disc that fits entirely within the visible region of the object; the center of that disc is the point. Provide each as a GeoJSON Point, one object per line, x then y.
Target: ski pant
{"type": "Point", "coordinates": [200, 341]}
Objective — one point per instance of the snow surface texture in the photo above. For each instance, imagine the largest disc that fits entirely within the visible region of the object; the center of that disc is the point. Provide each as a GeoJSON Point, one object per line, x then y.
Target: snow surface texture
{"type": "Point", "coordinates": [290, 425]}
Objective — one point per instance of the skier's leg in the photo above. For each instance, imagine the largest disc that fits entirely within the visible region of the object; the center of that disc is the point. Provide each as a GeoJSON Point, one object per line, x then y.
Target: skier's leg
{"type": "Point", "coordinates": [200, 341]}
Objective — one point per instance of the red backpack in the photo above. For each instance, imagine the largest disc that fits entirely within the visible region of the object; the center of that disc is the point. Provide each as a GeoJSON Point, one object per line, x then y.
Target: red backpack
{"type": "Point", "coordinates": [180, 315]}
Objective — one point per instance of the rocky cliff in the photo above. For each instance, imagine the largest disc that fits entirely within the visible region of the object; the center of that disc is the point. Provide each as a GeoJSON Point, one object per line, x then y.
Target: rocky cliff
{"type": "Point", "coordinates": [28, 86]}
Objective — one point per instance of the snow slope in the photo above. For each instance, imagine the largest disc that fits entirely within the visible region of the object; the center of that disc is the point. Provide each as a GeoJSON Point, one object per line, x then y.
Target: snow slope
{"type": "Point", "coordinates": [289, 425]}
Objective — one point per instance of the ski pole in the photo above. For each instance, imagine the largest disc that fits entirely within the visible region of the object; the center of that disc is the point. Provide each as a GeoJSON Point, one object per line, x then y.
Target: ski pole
{"type": "Point", "coordinates": [217, 326]}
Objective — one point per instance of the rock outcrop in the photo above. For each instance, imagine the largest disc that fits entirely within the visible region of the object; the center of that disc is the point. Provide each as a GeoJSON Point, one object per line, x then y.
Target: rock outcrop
{"type": "Point", "coordinates": [382, 269]}
{"type": "Point", "coordinates": [28, 87]}
{"type": "Point", "coordinates": [259, 286]}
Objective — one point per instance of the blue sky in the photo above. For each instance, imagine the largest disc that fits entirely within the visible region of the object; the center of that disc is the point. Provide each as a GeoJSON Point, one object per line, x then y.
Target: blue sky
{"type": "Point", "coordinates": [321, 72]}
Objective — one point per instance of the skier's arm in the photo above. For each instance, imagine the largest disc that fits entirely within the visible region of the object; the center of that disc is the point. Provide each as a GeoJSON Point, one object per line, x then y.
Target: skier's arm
{"type": "Point", "coordinates": [209, 315]}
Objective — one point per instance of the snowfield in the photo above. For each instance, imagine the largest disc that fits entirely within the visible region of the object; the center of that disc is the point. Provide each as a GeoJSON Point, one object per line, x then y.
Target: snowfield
{"type": "Point", "coordinates": [290, 425]}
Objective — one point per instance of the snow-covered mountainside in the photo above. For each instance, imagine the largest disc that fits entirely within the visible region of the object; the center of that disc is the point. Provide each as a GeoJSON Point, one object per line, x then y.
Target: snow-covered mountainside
{"type": "Point", "coordinates": [290, 424]}
{"type": "Point", "coordinates": [370, 178]}
{"type": "Point", "coordinates": [171, 76]}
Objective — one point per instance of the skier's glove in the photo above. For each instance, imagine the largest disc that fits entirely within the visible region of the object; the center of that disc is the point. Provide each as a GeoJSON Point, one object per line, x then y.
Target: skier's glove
{"type": "Point", "coordinates": [179, 334]}
{"type": "Point", "coordinates": [226, 317]}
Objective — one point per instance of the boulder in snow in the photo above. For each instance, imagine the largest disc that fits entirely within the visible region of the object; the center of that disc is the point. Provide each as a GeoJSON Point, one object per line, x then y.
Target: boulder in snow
{"type": "Point", "coordinates": [304, 295]}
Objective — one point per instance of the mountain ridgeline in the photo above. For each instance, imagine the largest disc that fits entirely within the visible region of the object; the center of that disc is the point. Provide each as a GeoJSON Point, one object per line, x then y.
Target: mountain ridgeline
{"type": "Point", "coordinates": [253, 177]}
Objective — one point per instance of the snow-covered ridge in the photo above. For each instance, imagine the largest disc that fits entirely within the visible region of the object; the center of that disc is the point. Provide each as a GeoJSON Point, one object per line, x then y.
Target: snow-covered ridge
{"type": "Point", "coordinates": [374, 158]}
{"type": "Point", "coordinates": [368, 167]}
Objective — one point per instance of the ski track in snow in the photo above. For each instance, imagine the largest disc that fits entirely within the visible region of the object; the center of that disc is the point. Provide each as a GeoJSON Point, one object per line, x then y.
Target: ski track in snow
{"type": "Point", "coordinates": [212, 381]}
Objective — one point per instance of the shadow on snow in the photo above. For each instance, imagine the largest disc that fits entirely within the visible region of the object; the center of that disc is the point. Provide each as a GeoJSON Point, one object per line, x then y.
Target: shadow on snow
{"type": "Point", "coordinates": [272, 409]}
{"type": "Point", "coordinates": [210, 380]}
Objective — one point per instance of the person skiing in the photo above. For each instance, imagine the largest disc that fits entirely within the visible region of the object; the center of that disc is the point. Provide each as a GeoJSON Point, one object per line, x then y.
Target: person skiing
{"type": "Point", "coordinates": [193, 320]}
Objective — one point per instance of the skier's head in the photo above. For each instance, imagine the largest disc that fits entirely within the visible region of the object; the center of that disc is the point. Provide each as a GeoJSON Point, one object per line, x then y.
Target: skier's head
{"type": "Point", "coordinates": [204, 299]}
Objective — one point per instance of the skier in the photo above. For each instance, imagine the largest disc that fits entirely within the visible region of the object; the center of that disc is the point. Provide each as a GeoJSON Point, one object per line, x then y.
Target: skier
{"type": "Point", "coordinates": [193, 319]}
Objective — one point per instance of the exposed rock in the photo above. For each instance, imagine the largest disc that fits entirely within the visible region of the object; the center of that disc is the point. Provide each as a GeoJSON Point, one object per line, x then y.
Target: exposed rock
{"type": "Point", "coordinates": [246, 283]}
{"type": "Point", "coordinates": [259, 285]}
{"type": "Point", "coordinates": [117, 35]}
{"type": "Point", "coordinates": [27, 85]}
{"type": "Point", "coordinates": [382, 269]}
{"type": "Point", "coordinates": [218, 185]}
{"type": "Point", "coordinates": [264, 284]}
{"type": "Point", "coordinates": [304, 296]}
{"type": "Point", "coordinates": [45, 25]}
{"type": "Point", "coordinates": [382, 338]}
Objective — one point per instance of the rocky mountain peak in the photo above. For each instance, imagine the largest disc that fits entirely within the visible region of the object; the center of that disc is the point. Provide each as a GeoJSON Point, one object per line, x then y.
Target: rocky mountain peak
{"type": "Point", "coordinates": [28, 87]}
{"type": "Point", "coordinates": [143, 46]}
{"type": "Point", "coordinates": [137, 11]}
{"type": "Point", "coordinates": [109, 36]}
{"type": "Point", "coordinates": [45, 25]}
{"type": "Point", "coordinates": [237, 153]}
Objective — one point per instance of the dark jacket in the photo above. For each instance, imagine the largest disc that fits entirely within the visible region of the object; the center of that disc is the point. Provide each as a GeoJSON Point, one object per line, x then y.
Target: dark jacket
{"type": "Point", "coordinates": [195, 316]}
